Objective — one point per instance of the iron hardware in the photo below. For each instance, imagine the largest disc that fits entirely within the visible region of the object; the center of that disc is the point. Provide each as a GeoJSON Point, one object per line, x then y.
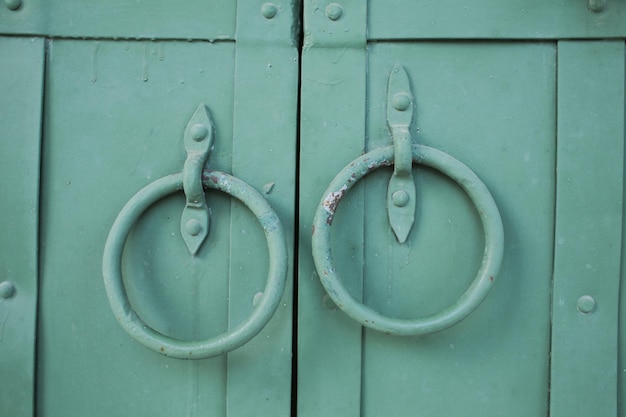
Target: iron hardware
{"type": "Point", "coordinates": [401, 190]}
{"type": "Point", "coordinates": [265, 305]}
{"type": "Point", "coordinates": [596, 6]}
{"type": "Point", "coordinates": [401, 206]}
{"type": "Point", "coordinates": [194, 224]}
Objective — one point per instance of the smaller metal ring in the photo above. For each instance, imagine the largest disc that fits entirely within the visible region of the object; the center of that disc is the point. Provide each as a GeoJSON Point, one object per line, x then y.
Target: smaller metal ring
{"type": "Point", "coordinates": [239, 335]}
{"type": "Point", "coordinates": [471, 298]}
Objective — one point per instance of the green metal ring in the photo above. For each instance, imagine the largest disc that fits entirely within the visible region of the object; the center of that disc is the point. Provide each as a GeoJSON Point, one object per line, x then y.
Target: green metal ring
{"type": "Point", "coordinates": [473, 296]}
{"type": "Point", "coordinates": [236, 337]}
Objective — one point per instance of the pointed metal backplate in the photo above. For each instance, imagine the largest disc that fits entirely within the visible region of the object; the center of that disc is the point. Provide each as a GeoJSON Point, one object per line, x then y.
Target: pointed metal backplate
{"type": "Point", "coordinates": [198, 139]}
{"type": "Point", "coordinates": [401, 193]}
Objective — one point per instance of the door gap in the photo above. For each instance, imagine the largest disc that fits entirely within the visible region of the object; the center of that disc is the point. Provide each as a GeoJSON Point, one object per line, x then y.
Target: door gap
{"type": "Point", "coordinates": [296, 250]}
{"type": "Point", "coordinates": [38, 269]}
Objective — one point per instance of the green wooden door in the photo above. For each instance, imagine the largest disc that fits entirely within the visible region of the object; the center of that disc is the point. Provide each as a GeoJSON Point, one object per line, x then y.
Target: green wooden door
{"type": "Point", "coordinates": [96, 102]}
{"type": "Point", "coordinates": [530, 96]}
{"type": "Point", "coordinates": [120, 81]}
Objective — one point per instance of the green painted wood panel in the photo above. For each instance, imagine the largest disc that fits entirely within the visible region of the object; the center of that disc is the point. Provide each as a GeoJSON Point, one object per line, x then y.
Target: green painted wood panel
{"type": "Point", "coordinates": [160, 19]}
{"type": "Point", "coordinates": [264, 153]}
{"type": "Point", "coordinates": [22, 66]}
{"type": "Point", "coordinates": [494, 19]}
{"type": "Point", "coordinates": [331, 134]}
{"type": "Point", "coordinates": [491, 106]}
{"type": "Point", "coordinates": [588, 233]}
{"type": "Point", "coordinates": [114, 120]}
{"type": "Point", "coordinates": [116, 111]}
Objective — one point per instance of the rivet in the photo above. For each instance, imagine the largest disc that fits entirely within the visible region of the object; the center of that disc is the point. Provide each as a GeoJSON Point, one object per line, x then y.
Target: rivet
{"type": "Point", "coordinates": [193, 227]}
{"type": "Point", "coordinates": [400, 198]}
{"type": "Point", "coordinates": [199, 132]}
{"type": "Point", "coordinates": [401, 101]}
{"type": "Point", "coordinates": [586, 304]}
{"type": "Point", "coordinates": [257, 299]}
{"type": "Point", "coordinates": [596, 6]}
{"type": "Point", "coordinates": [334, 11]}
{"type": "Point", "coordinates": [269, 10]}
{"type": "Point", "coordinates": [13, 4]}
{"type": "Point", "coordinates": [328, 303]}
{"type": "Point", "coordinates": [7, 289]}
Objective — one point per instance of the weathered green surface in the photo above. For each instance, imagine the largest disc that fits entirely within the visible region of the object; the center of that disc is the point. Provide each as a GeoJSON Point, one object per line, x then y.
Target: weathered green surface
{"type": "Point", "coordinates": [154, 19]}
{"type": "Point", "coordinates": [494, 19]}
{"type": "Point", "coordinates": [122, 80]}
{"type": "Point", "coordinates": [492, 106]}
{"type": "Point", "coordinates": [264, 153]}
{"type": "Point", "coordinates": [116, 112]}
{"type": "Point", "coordinates": [114, 122]}
{"type": "Point", "coordinates": [22, 66]}
{"type": "Point", "coordinates": [588, 233]}
{"type": "Point", "coordinates": [332, 131]}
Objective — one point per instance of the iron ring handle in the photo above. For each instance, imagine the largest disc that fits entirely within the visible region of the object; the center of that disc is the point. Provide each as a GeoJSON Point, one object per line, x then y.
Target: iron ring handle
{"type": "Point", "coordinates": [471, 298]}
{"type": "Point", "coordinates": [236, 337]}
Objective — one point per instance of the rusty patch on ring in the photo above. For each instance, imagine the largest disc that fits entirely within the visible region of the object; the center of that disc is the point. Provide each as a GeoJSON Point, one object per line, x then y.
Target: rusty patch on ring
{"type": "Point", "coordinates": [331, 202]}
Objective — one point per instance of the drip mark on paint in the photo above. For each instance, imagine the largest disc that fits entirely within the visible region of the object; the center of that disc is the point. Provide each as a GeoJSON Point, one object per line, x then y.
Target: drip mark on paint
{"type": "Point", "coordinates": [94, 64]}
{"type": "Point", "coordinates": [144, 75]}
{"type": "Point", "coordinates": [161, 52]}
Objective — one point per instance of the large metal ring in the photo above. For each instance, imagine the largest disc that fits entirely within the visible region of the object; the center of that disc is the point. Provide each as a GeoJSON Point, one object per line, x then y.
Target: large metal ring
{"type": "Point", "coordinates": [473, 296]}
{"type": "Point", "coordinates": [262, 313]}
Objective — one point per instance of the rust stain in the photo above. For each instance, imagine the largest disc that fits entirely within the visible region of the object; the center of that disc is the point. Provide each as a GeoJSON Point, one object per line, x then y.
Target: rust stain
{"type": "Point", "coordinates": [331, 202]}
{"type": "Point", "coordinates": [313, 229]}
{"type": "Point", "coordinates": [491, 279]}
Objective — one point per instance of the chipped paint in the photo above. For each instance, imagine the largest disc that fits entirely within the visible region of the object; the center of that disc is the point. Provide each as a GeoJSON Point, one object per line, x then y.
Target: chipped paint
{"type": "Point", "coordinates": [332, 200]}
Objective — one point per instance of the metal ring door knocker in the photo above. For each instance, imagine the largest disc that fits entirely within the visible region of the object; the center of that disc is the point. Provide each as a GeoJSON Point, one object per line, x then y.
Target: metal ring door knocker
{"type": "Point", "coordinates": [401, 207]}
{"type": "Point", "coordinates": [194, 228]}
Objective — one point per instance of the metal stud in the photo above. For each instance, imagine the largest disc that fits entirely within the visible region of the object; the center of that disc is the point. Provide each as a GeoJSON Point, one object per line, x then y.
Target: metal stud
{"type": "Point", "coordinates": [193, 227]}
{"type": "Point", "coordinates": [401, 101]}
{"type": "Point", "coordinates": [269, 10]}
{"type": "Point", "coordinates": [13, 4]}
{"type": "Point", "coordinates": [400, 198]}
{"type": "Point", "coordinates": [199, 132]}
{"type": "Point", "coordinates": [596, 6]}
{"type": "Point", "coordinates": [7, 289]}
{"type": "Point", "coordinates": [586, 304]}
{"type": "Point", "coordinates": [334, 11]}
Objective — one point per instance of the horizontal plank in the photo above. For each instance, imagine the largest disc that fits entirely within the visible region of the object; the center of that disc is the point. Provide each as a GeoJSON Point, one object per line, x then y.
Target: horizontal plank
{"type": "Point", "coordinates": [493, 19]}
{"type": "Point", "coordinates": [159, 19]}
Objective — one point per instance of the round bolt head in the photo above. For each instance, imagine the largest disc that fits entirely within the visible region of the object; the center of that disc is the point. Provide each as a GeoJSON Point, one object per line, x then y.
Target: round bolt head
{"type": "Point", "coordinates": [7, 289]}
{"type": "Point", "coordinates": [13, 4]}
{"type": "Point", "coordinates": [596, 6]}
{"type": "Point", "coordinates": [269, 10]}
{"type": "Point", "coordinates": [400, 198]}
{"type": "Point", "coordinates": [193, 227]}
{"type": "Point", "coordinates": [401, 101]}
{"type": "Point", "coordinates": [334, 11]}
{"type": "Point", "coordinates": [199, 132]}
{"type": "Point", "coordinates": [586, 304]}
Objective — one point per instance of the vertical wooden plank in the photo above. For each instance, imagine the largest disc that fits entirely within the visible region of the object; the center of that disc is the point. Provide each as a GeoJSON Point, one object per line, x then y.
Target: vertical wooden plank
{"type": "Point", "coordinates": [264, 156]}
{"type": "Point", "coordinates": [588, 233]}
{"type": "Point", "coordinates": [332, 135]}
{"type": "Point", "coordinates": [115, 113]}
{"type": "Point", "coordinates": [22, 66]}
{"type": "Point", "coordinates": [492, 106]}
